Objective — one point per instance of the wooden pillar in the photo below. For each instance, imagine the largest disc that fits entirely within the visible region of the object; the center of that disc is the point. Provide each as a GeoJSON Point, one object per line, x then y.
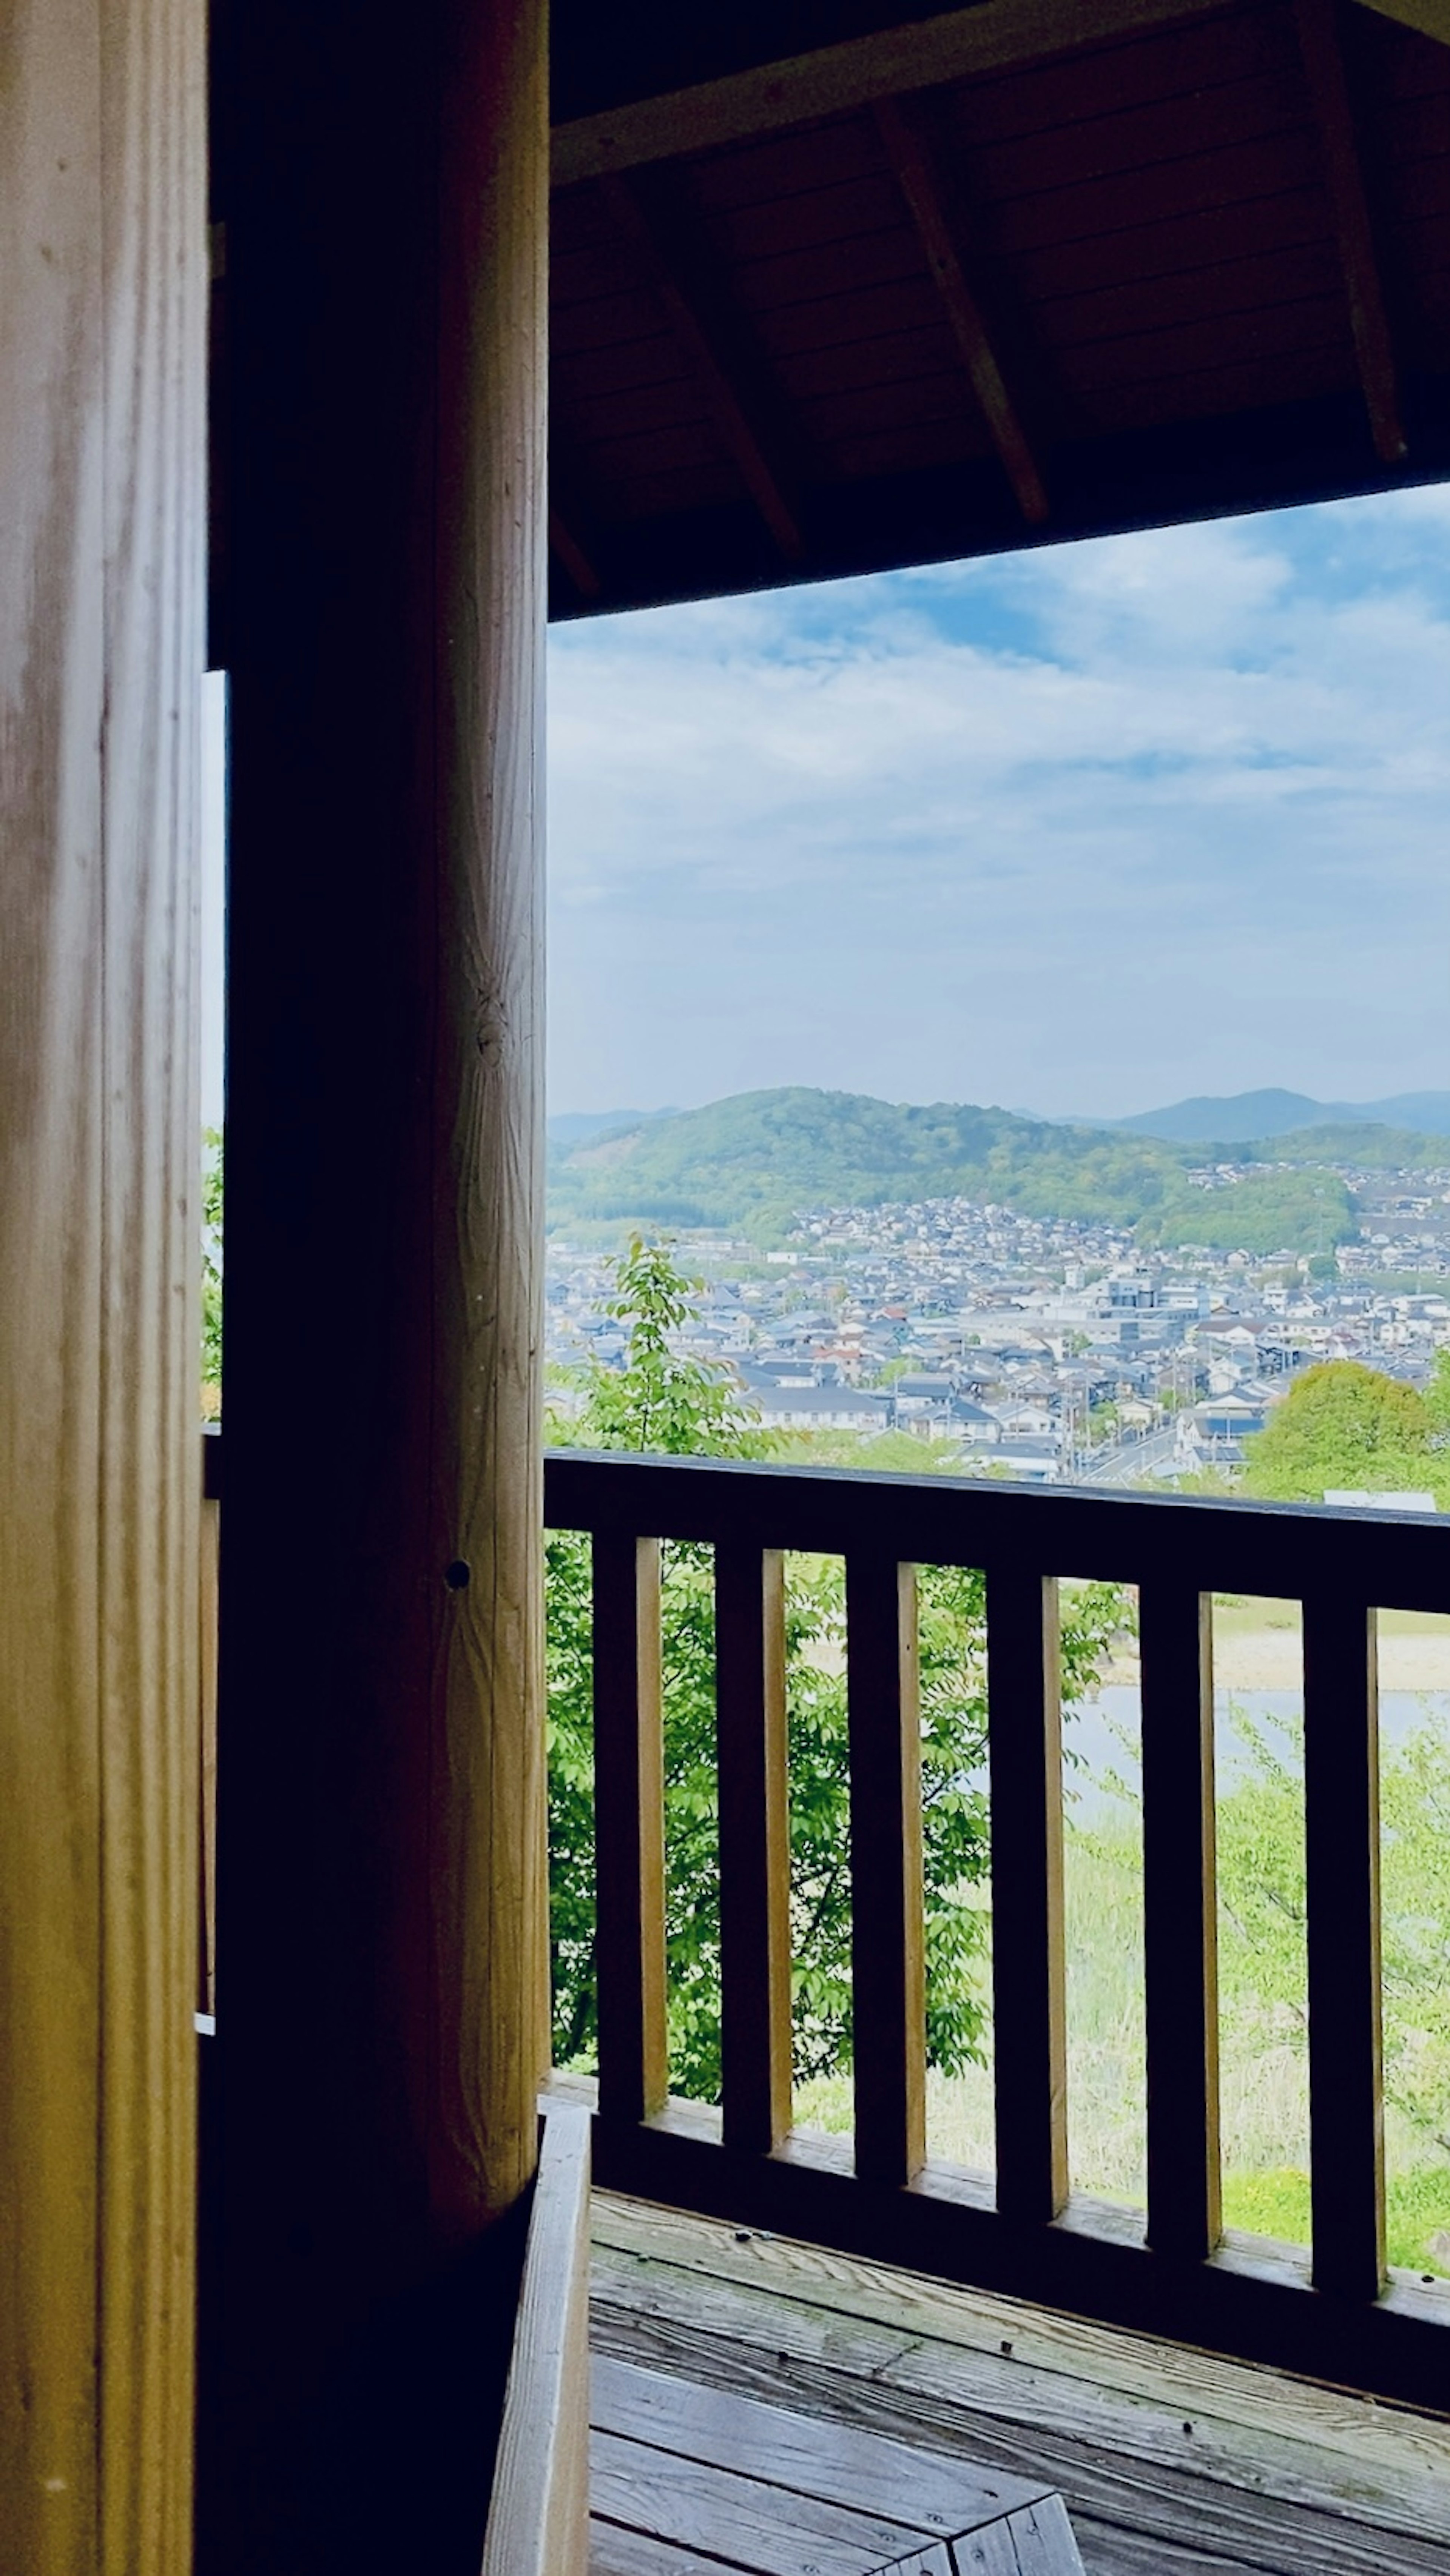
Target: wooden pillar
{"type": "Point", "coordinates": [102, 322]}
{"type": "Point", "coordinates": [381, 1944]}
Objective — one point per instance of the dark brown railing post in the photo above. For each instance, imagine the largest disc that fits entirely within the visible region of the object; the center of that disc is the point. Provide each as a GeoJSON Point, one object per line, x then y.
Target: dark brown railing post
{"type": "Point", "coordinates": [888, 1969]}
{"type": "Point", "coordinates": [755, 2038]}
{"type": "Point", "coordinates": [1341, 1835]}
{"type": "Point", "coordinates": [1180, 1926]}
{"type": "Point", "coordinates": [629, 1827]}
{"type": "Point", "coordinates": [1028, 1976]}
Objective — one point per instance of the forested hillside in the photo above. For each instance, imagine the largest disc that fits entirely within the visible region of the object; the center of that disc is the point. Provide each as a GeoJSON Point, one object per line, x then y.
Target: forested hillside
{"type": "Point", "coordinates": [751, 1163]}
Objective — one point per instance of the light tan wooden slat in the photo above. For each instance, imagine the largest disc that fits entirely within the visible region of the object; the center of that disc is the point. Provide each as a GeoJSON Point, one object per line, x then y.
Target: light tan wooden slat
{"type": "Point", "coordinates": [629, 1827]}
{"type": "Point", "coordinates": [103, 259]}
{"type": "Point", "coordinates": [538, 2521]}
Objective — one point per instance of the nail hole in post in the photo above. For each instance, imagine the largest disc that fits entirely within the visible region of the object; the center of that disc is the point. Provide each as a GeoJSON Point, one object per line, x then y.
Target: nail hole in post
{"type": "Point", "coordinates": [456, 1575]}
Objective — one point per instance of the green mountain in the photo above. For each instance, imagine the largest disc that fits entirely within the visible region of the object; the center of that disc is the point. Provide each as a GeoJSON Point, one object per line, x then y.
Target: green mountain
{"type": "Point", "coordinates": [1367, 1148]}
{"type": "Point", "coordinates": [1250, 1116]}
{"type": "Point", "coordinates": [749, 1164]}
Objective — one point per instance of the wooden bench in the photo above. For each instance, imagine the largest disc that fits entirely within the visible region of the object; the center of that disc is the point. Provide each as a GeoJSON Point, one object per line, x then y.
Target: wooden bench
{"type": "Point", "coordinates": [684, 2479]}
{"type": "Point", "coordinates": [538, 2521]}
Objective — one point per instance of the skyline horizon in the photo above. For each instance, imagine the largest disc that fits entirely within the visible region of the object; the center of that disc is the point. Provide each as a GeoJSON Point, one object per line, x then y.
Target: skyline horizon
{"type": "Point", "coordinates": [1015, 1109]}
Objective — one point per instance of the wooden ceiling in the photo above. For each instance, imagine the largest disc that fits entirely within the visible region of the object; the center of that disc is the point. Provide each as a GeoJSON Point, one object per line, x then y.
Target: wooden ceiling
{"type": "Point", "coordinates": [1028, 270]}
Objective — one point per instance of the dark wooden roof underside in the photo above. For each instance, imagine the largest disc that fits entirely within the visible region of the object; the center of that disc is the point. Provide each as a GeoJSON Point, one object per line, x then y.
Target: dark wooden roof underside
{"type": "Point", "coordinates": [1198, 266]}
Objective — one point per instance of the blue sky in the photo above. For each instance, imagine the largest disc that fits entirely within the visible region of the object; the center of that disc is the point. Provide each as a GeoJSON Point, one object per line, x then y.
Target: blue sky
{"type": "Point", "coordinates": [1077, 831]}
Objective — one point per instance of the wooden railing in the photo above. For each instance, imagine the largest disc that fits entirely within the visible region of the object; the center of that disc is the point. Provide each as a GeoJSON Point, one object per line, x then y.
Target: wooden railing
{"type": "Point", "coordinates": [1172, 2271]}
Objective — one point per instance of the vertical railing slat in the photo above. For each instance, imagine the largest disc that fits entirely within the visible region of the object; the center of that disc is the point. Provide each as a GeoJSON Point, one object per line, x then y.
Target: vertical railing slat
{"type": "Point", "coordinates": [1180, 1926]}
{"type": "Point", "coordinates": [629, 1827]}
{"type": "Point", "coordinates": [1341, 1827]}
{"type": "Point", "coordinates": [755, 2038]}
{"type": "Point", "coordinates": [1028, 1973]}
{"type": "Point", "coordinates": [888, 1967]}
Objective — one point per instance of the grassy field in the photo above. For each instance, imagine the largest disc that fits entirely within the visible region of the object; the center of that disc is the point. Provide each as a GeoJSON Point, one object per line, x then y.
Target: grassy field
{"type": "Point", "coordinates": [1264, 2085]}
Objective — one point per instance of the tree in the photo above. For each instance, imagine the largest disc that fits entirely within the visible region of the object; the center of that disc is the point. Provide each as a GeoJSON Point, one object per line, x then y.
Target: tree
{"type": "Point", "coordinates": [1342, 1425]}
{"type": "Point", "coordinates": [666, 1400]}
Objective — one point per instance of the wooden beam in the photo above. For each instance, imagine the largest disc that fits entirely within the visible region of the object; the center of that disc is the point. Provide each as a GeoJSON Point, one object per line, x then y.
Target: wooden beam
{"type": "Point", "coordinates": [685, 298]}
{"type": "Point", "coordinates": [912, 160]}
{"type": "Point", "coordinates": [996, 36]}
{"type": "Point", "coordinates": [1428, 17]}
{"type": "Point", "coordinates": [572, 556]}
{"type": "Point", "coordinates": [538, 2519]}
{"type": "Point", "coordinates": [382, 1863]}
{"type": "Point", "coordinates": [1334, 117]}
{"type": "Point", "coordinates": [102, 606]}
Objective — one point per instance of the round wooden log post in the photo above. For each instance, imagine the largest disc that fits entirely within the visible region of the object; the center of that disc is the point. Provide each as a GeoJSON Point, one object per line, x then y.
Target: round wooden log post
{"type": "Point", "coordinates": [102, 529]}
{"type": "Point", "coordinates": [382, 1883]}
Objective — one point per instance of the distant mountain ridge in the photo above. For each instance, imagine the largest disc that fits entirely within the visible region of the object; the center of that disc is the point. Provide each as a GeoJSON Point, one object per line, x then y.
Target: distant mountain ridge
{"type": "Point", "coordinates": [750, 1164]}
{"type": "Point", "coordinates": [1244, 1117]}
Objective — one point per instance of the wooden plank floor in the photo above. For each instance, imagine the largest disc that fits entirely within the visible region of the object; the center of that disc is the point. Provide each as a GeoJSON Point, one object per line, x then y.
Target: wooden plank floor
{"type": "Point", "coordinates": [1168, 2461]}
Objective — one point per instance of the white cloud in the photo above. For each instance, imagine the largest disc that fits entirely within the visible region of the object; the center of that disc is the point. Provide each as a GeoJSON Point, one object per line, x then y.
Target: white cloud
{"type": "Point", "coordinates": [1083, 828]}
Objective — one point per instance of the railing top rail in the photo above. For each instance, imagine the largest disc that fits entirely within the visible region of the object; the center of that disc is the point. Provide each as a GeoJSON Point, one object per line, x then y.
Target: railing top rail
{"type": "Point", "coordinates": [1390, 1560]}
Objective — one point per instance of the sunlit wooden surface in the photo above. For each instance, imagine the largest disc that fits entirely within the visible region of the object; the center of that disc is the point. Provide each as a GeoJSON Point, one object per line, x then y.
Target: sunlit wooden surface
{"type": "Point", "coordinates": [1167, 2460]}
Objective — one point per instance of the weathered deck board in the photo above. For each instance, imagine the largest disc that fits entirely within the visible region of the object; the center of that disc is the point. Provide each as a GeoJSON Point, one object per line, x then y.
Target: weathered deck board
{"type": "Point", "coordinates": [1169, 2460]}
{"type": "Point", "coordinates": [691, 2469]}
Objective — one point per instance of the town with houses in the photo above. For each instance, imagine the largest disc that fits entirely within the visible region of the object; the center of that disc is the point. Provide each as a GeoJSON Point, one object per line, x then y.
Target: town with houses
{"type": "Point", "coordinates": [1057, 1352]}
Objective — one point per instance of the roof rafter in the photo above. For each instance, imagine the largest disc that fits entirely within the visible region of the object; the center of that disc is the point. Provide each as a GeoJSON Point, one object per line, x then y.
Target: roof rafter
{"type": "Point", "coordinates": [1427, 17]}
{"type": "Point", "coordinates": [913, 163]}
{"type": "Point", "coordinates": [687, 300]}
{"type": "Point", "coordinates": [1368, 321]}
{"type": "Point", "coordinates": [995, 35]}
{"type": "Point", "coordinates": [572, 556]}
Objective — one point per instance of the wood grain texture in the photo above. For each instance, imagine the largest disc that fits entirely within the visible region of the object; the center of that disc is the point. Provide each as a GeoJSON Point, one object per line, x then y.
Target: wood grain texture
{"type": "Point", "coordinates": [1166, 2458]}
{"type": "Point", "coordinates": [862, 2470]}
{"type": "Point", "coordinates": [725, 2513]}
{"type": "Point", "coordinates": [629, 1826]}
{"type": "Point", "coordinates": [1150, 2400]}
{"type": "Point", "coordinates": [538, 2522]}
{"type": "Point", "coordinates": [382, 1872]}
{"type": "Point", "coordinates": [102, 324]}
